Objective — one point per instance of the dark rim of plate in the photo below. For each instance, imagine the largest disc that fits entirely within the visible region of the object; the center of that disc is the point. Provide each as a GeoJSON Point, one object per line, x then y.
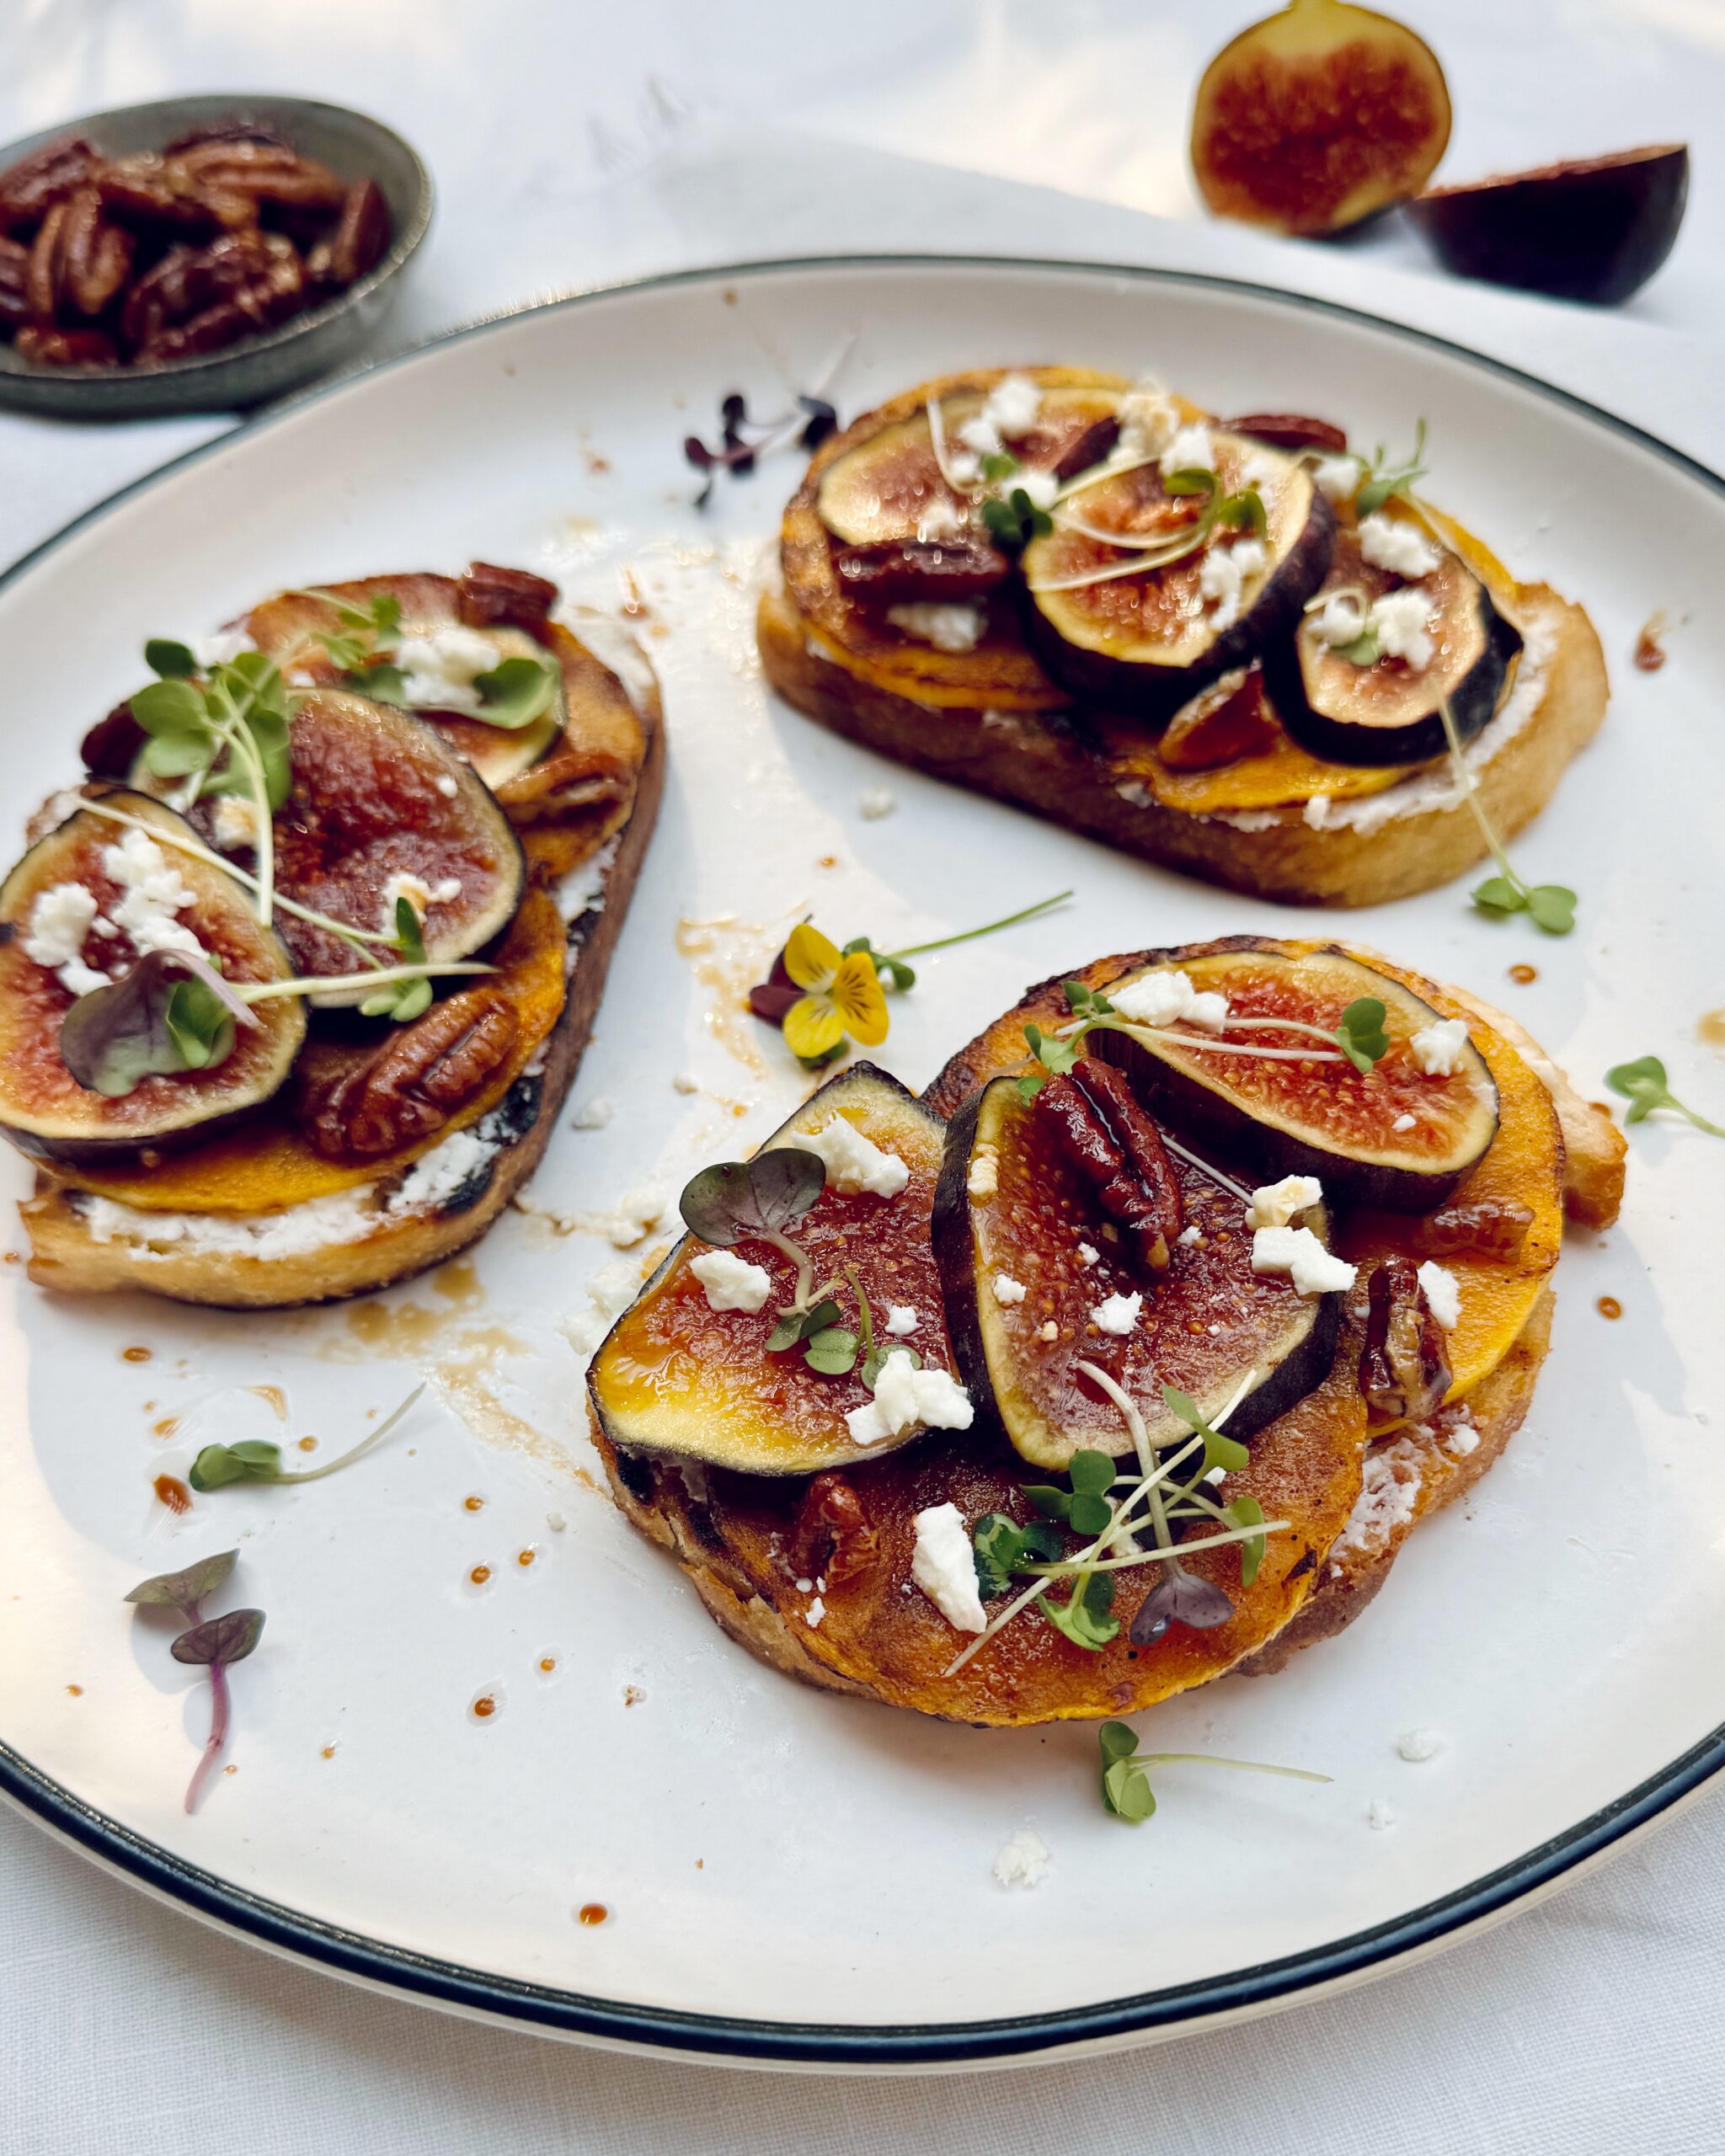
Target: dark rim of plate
{"type": "Point", "coordinates": [720, 2037]}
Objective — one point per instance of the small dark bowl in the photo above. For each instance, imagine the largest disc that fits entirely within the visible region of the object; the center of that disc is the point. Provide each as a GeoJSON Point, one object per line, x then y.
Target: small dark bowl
{"type": "Point", "coordinates": [279, 360]}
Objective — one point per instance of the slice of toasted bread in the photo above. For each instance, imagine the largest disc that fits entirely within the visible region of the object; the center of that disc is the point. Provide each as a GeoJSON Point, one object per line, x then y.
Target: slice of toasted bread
{"type": "Point", "coordinates": [1358, 852]}
{"type": "Point", "coordinates": [353, 1242]}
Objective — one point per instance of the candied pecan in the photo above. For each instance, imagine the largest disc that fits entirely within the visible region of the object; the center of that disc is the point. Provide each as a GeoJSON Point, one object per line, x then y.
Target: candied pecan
{"type": "Point", "coordinates": [832, 1540]}
{"type": "Point", "coordinates": [29, 189]}
{"type": "Point", "coordinates": [914, 568]}
{"type": "Point", "coordinates": [110, 747]}
{"type": "Point", "coordinates": [486, 594]}
{"type": "Point", "coordinates": [1115, 1144]}
{"type": "Point", "coordinates": [1095, 442]}
{"type": "Point", "coordinates": [362, 234]}
{"type": "Point", "coordinates": [14, 283]}
{"type": "Point", "coordinates": [1290, 430]}
{"type": "Point", "coordinates": [266, 172]}
{"type": "Point", "coordinates": [1230, 719]}
{"type": "Point", "coordinates": [44, 278]}
{"type": "Point", "coordinates": [1404, 1366]}
{"type": "Point", "coordinates": [1493, 1230]}
{"type": "Point", "coordinates": [161, 297]}
{"type": "Point", "coordinates": [153, 194]}
{"type": "Point", "coordinates": [95, 255]}
{"type": "Point", "coordinates": [410, 1085]}
{"type": "Point", "coordinates": [65, 348]}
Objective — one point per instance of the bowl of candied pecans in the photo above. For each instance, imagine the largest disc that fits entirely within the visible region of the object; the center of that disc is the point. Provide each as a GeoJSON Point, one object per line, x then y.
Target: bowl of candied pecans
{"type": "Point", "coordinates": [199, 255]}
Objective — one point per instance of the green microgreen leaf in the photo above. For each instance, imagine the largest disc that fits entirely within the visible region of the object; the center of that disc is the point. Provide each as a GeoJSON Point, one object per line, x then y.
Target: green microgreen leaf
{"type": "Point", "coordinates": [142, 1026]}
{"type": "Point", "coordinates": [402, 1001]}
{"type": "Point", "coordinates": [384, 683]}
{"type": "Point", "coordinates": [832, 1352]}
{"type": "Point", "coordinates": [198, 1025]}
{"type": "Point", "coordinates": [1381, 480]}
{"type": "Point", "coordinates": [1366, 650]}
{"type": "Point", "coordinates": [1191, 479]}
{"type": "Point", "coordinates": [517, 691]}
{"type": "Point", "coordinates": [1054, 1054]}
{"type": "Point", "coordinates": [1092, 1472]}
{"type": "Point", "coordinates": [1645, 1085]}
{"type": "Point", "coordinates": [998, 466]}
{"type": "Point", "coordinates": [1219, 1451]}
{"type": "Point", "coordinates": [1497, 894]}
{"type": "Point", "coordinates": [1552, 907]}
{"type": "Point", "coordinates": [1125, 1787]}
{"type": "Point", "coordinates": [163, 656]}
{"type": "Point", "coordinates": [1361, 1036]}
{"type": "Point", "coordinates": [1244, 512]}
{"type": "Point", "coordinates": [183, 1590]}
{"type": "Point", "coordinates": [254, 1461]}
{"type": "Point", "coordinates": [1003, 1548]}
{"type": "Point", "coordinates": [1014, 522]}
{"type": "Point", "coordinates": [1048, 1499]}
{"type": "Point", "coordinates": [1247, 1511]}
{"type": "Point", "coordinates": [1084, 1616]}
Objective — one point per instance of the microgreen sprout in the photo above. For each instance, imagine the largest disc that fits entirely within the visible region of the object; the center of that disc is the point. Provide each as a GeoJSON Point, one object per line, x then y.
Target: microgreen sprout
{"type": "Point", "coordinates": [1012, 520]}
{"type": "Point", "coordinates": [759, 1199]}
{"type": "Point", "coordinates": [1550, 906]}
{"type": "Point", "coordinates": [1382, 480]}
{"type": "Point", "coordinates": [256, 1459]}
{"type": "Point", "coordinates": [367, 628]}
{"type": "Point", "coordinates": [403, 999]}
{"type": "Point", "coordinates": [1643, 1083]}
{"type": "Point", "coordinates": [172, 1011]}
{"type": "Point", "coordinates": [1241, 511]}
{"type": "Point", "coordinates": [743, 440]}
{"type": "Point", "coordinates": [1125, 1786]}
{"type": "Point", "coordinates": [213, 1644]}
{"type": "Point", "coordinates": [1361, 1036]}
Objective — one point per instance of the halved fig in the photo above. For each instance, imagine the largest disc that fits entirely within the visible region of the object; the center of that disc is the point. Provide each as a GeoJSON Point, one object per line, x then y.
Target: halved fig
{"type": "Point", "coordinates": [1015, 1210]}
{"type": "Point", "coordinates": [376, 795]}
{"type": "Point", "coordinates": [43, 1108]}
{"type": "Point", "coordinates": [1386, 708]}
{"type": "Point", "coordinates": [889, 488]}
{"type": "Point", "coordinates": [1594, 230]}
{"type": "Point", "coordinates": [1394, 1136]}
{"type": "Point", "coordinates": [1145, 641]}
{"type": "Point", "coordinates": [676, 1376]}
{"type": "Point", "coordinates": [1318, 117]}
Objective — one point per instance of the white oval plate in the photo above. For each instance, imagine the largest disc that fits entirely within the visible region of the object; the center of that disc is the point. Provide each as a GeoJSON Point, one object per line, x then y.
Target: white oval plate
{"type": "Point", "coordinates": [791, 1877]}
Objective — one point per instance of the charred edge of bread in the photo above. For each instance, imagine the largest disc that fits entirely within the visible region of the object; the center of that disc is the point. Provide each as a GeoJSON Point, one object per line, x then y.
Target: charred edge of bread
{"type": "Point", "coordinates": [1349, 1578]}
{"type": "Point", "coordinates": [1040, 762]}
{"type": "Point", "coordinates": [65, 1257]}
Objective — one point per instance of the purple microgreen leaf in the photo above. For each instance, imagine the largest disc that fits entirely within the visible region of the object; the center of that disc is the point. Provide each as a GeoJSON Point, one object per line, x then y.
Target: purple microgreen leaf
{"type": "Point", "coordinates": [1180, 1597]}
{"type": "Point", "coordinates": [823, 419]}
{"type": "Point", "coordinates": [179, 1590]}
{"type": "Point", "coordinates": [761, 1197]}
{"type": "Point", "coordinates": [226, 1639]}
{"type": "Point", "coordinates": [145, 1025]}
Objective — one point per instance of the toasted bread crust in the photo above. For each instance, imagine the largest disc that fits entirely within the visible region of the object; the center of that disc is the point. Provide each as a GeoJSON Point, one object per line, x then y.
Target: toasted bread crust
{"type": "Point", "coordinates": [1041, 761]}
{"type": "Point", "coordinates": [65, 1257]}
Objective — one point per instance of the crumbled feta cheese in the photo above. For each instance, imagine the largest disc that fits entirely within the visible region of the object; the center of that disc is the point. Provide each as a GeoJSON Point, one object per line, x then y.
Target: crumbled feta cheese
{"type": "Point", "coordinates": [435, 1176]}
{"type": "Point", "coordinates": [900, 1319]}
{"type": "Point", "coordinates": [1396, 544]}
{"type": "Point", "coordinates": [1149, 422]}
{"type": "Point", "coordinates": [446, 785]}
{"type": "Point", "coordinates": [1337, 477]}
{"type": "Point", "coordinates": [1189, 450]}
{"type": "Point", "coordinates": [1437, 1047]}
{"type": "Point", "coordinates": [405, 885]}
{"type": "Point", "coordinates": [963, 467]}
{"type": "Point", "coordinates": [609, 1294]}
{"type": "Point", "coordinates": [853, 1162]}
{"type": "Point", "coordinates": [685, 1082]}
{"type": "Point", "coordinates": [731, 1282]}
{"type": "Point", "coordinates": [1022, 1861]}
{"type": "Point", "coordinates": [1388, 1498]}
{"type": "Point", "coordinates": [1118, 1314]}
{"type": "Point", "coordinates": [1013, 405]}
{"type": "Point", "coordinates": [439, 670]}
{"type": "Point", "coordinates": [939, 518]}
{"type": "Point", "coordinates": [1275, 1203]}
{"type": "Point", "coordinates": [1049, 1330]}
{"type": "Point", "coordinates": [1398, 621]}
{"type": "Point", "coordinates": [1191, 1237]}
{"type": "Point", "coordinates": [1379, 1816]}
{"type": "Point", "coordinates": [1164, 996]}
{"type": "Point", "coordinates": [984, 1179]}
{"type": "Point", "coordinates": [1219, 581]}
{"type": "Point", "coordinates": [154, 893]}
{"type": "Point", "coordinates": [945, 624]}
{"type": "Point", "coordinates": [805, 1586]}
{"type": "Point", "coordinates": [1404, 1122]}
{"type": "Point", "coordinates": [1087, 1253]}
{"type": "Point", "coordinates": [1464, 1438]}
{"type": "Point", "coordinates": [814, 1614]}
{"type": "Point", "coordinates": [1317, 813]}
{"type": "Point", "coordinates": [1443, 1294]}
{"type": "Point", "coordinates": [1340, 620]}
{"type": "Point", "coordinates": [1006, 1289]}
{"type": "Point", "coordinates": [634, 1215]}
{"type": "Point", "coordinates": [1418, 1745]}
{"type": "Point", "coordinates": [905, 1398]}
{"type": "Point", "coordinates": [235, 822]}
{"type": "Point", "coordinates": [1217, 1475]}
{"type": "Point", "coordinates": [981, 436]}
{"type": "Point", "coordinates": [1296, 1251]}
{"type": "Point", "coordinates": [1041, 488]}
{"type": "Point", "coordinates": [1135, 791]}
{"type": "Point", "coordinates": [943, 1566]}
{"type": "Point", "coordinates": [221, 649]}
{"type": "Point", "coordinates": [875, 802]}
{"type": "Point", "coordinates": [592, 1115]}
{"type": "Point", "coordinates": [60, 920]}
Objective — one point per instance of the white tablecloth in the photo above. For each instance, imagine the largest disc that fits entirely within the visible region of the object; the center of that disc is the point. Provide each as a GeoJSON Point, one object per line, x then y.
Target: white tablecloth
{"type": "Point", "coordinates": [570, 147]}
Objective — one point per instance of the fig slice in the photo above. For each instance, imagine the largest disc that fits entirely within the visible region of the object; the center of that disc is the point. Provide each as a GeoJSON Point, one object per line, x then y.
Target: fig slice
{"type": "Point", "coordinates": [43, 1108]}
{"type": "Point", "coordinates": [1594, 230]}
{"type": "Point", "coordinates": [377, 794]}
{"type": "Point", "coordinates": [675, 1376]}
{"type": "Point", "coordinates": [1388, 710]}
{"type": "Point", "coordinates": [889, 488]}
{"type": "Point", "coordinates": [1318, 117]}
{"type": "Point", "coordinates": [1311, 1111]}
{"type": "Point", "coordinates": [1145, 641]}
{"type": "Point", "coordinates": [1014, 1210]}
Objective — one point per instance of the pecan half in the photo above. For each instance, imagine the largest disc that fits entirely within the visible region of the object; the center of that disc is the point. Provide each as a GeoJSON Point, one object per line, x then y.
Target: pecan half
{"type": "Point", "coordinates": [14, 283]}
{"type": "Point", "coordinates": [410, 1086]}
{"type": "Point", "coordinates": [1114, 1143]}
{"type": "Point", "coordinates": [65, 348]}
{"type": "Point", "coordinates": [913, 568]}
{"type": "Point", "coordinates": [1404, 1367]}
{"type": "Point", "coordinates": [1483, 1230]}
{"type": "Point", "coordinates": [155, 195]}
{"type": "Point", "coordinates": [362, 234]}
{"type": "Point", "coordinates": [832, 1538]}
{"type": "Point", "coordinates": [1288, 430]}
{"type": "Point", "coordinates": [95, 255]}
{"type": "Point", "coordinates": [29, 189]}
{"type": "Point", "coordinates": [1230, 719]}
{"type": "Point", "coordinates": [1095, 442]}
{"type": "Point", "coordinates": [264, 172]}
{"type": "Point", "coordinates": [486, 594]}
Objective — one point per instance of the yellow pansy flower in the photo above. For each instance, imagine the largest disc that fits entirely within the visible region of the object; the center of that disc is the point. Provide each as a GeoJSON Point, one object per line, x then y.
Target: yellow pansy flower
{"type": "Point", "coordinates": [841, 995]}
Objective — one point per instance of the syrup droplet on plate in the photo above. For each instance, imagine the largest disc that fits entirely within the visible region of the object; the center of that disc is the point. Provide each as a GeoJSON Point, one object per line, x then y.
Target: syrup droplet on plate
{"type": "Point", "coordinates": [473, 1504]}
{"type": "Point", "coordinates": [308, 1445]}
{"type": "Point", "coordinates": [328, 1753]}
{"type": "Point", "coordinates": [135, 1354]}
{"type": "Point", "coordinates": [485, 1705]}
{"type": "Point", "coordinates": [172, 1493]}
{"type": "Point", "coordinates": [548, 1665]}
{"type": "Point", "coordinates": [1710, 1027]}
{"type": "Point", "coordinates": [1523, 974]}
{"type": "Point", "coordinates": [524, 1558]}
{"type": "Point", "coordinates": [75, 1690]}
{"type": "Point", "coordinates": [590, 1912]}
{"type": "Point", "coordinates": [1609, 1306]}
{"type": "Point", "coordinates": [479, 1575]}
